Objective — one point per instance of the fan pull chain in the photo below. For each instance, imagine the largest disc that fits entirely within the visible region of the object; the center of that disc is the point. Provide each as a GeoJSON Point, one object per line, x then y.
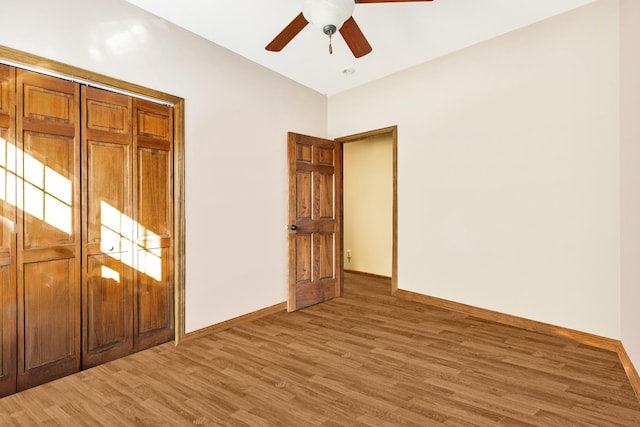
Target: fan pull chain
{"type": "Point", "coordinates": [330, 47]}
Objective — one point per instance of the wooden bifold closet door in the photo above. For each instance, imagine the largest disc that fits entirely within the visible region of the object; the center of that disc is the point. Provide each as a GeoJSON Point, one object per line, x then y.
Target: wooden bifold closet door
{"type": "Point", "coordinates": [153, 226]}
{"type": "Point", "coordinates": [127, 228]}
{"type": "Point", "coordinates": [107, 226]}
{"type": "Point", "coordinates": [86, 237]}
{"type": "Point", "coordinates": [48, 170]}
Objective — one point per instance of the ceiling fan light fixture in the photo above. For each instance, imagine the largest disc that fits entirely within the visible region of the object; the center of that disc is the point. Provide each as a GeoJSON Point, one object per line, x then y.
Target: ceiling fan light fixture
{"type": "Point", "coordinates": [328, 15]}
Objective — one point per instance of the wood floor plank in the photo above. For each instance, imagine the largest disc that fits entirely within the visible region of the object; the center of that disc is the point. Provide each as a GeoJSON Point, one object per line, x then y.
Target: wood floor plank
{"type": "Point", "coordinates": [366, 359]}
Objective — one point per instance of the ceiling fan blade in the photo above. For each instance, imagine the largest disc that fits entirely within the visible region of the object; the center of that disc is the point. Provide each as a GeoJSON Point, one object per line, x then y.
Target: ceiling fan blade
{"type": "Point", "coordinates": [352, 35]}
{"type": "Point", "coordinates": [286, 35]}
{"type": "Point", "coordinates": [388, 1]}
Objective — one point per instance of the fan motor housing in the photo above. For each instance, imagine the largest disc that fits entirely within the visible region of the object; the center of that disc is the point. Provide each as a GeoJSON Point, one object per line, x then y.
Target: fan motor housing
{"type": "Point", "coordinates": [328, 13]}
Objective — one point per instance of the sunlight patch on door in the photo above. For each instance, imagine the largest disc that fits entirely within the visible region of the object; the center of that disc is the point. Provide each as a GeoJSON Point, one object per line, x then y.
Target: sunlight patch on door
{"type": "Point", "coordinates": [109, 273]}
{"type": "Point", "coordinates": [116, 229]}
{"type": "Point", "coordinates": [8, 175]}
{"type": "Point", "coordinates": [47, 196]}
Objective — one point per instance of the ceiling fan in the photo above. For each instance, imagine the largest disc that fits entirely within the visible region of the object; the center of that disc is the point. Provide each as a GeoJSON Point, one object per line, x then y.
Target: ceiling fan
{"type": "Point", "coordinates": [330, 16]}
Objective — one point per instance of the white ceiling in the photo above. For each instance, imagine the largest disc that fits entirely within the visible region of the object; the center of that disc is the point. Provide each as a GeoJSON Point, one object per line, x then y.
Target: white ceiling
{"type": "Point", "coordinates": [401, 34]}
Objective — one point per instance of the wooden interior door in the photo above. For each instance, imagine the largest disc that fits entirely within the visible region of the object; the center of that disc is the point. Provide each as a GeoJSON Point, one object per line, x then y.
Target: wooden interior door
{"type": "Point", "coordinates": [153, 224]}
{"type": "Point", "coordinates": [48, 141]}
{"type": "Point", "coordinates": [8, 335]}
{"type": "Point", "coordinates": [315, 229]}
{"type": "Point", "coordinates": [107, 224]}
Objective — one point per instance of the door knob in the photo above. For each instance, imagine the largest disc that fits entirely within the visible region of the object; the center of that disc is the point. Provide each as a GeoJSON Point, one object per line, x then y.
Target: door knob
{"type": "Point", "coordinates": [292, 227]}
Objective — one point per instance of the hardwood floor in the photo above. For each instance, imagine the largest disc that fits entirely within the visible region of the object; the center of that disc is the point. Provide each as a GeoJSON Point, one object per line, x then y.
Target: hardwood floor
{"type": "Point", "coordinates": [365, 359]}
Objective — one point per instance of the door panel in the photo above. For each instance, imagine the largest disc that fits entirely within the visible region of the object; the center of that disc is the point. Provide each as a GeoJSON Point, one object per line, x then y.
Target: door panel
{"type": "Point", "coordinates": [154, 192]}
{"type": "Point", "coordinates": [49, 305]}
{"type": "Point", "coordinates": [303, 195]}
{"type": "Point", "coordinates": [325, 197]}
{"type": "Point", "coordinates": [48, 147]}
{"type": "Point", "coordinates": [314, 209]}
{"type": "Point", "coordinates": [107, 298]}
{"type": "Point", "coordinates": [153, 217]}
{"type": "Point", "coordinates": [107, 267]}
{"type": "Point", "coordinates": [48, 190]}
{"type": "Point", "coordinates": [7, 232]}
{"type": "Point", "coordinates": [153, 293]}
{"type": "Point", "coordinates": [108, 192]}
{"type": "Point", "coordinates": [303, 257]}
{"type": "Point", "coordinates": [325, 251]}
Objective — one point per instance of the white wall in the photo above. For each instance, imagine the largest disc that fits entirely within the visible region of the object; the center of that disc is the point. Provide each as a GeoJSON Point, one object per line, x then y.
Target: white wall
{"type": "Point", "coordinates": [508, 170]}
{"type": "Point", "coordinates": [630, 173]}
{"type": "Point", "coordinates": [237, 116]}
{"type": "Point", "coordinates": [368, 205]}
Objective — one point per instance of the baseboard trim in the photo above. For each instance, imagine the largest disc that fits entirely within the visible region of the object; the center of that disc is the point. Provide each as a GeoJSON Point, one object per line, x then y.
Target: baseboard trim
{"type": "Point", "coordinates": [533, 325]}
{"type": "Point", "coordinates": [362, 273]}
{"type": "Point", "coordinates": [235, 321]}
{"type": "Point", "coordinates": [632, 374]}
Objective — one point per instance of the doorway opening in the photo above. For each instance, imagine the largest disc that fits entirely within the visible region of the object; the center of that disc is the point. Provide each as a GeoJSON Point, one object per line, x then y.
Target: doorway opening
{"type": "Point", "coordinates": [370, 203]}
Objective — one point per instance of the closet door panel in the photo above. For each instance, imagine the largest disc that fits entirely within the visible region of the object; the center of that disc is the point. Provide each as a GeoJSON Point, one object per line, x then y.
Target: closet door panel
{"type": "Point", "coordinates": [154, 295]}
{"type": "Point", "coordinates": [48, 172]}
{"type": "Point", "coordinates": [108, 324]}
{"type": "Point", "coordinates": [153, 200]}
{"type": "Point", "coordinates": [108, 226]}
{"type": "Point", "coordinates": [8, 290]}
{"type": "Point", "coordinates": [108, 221]}
{"type": "Point", "coordinates": [49, 307]}
{"type": "Point", "coordinates": [48, 178]}
{"type": "Point", "coordinates": [154, 193]}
